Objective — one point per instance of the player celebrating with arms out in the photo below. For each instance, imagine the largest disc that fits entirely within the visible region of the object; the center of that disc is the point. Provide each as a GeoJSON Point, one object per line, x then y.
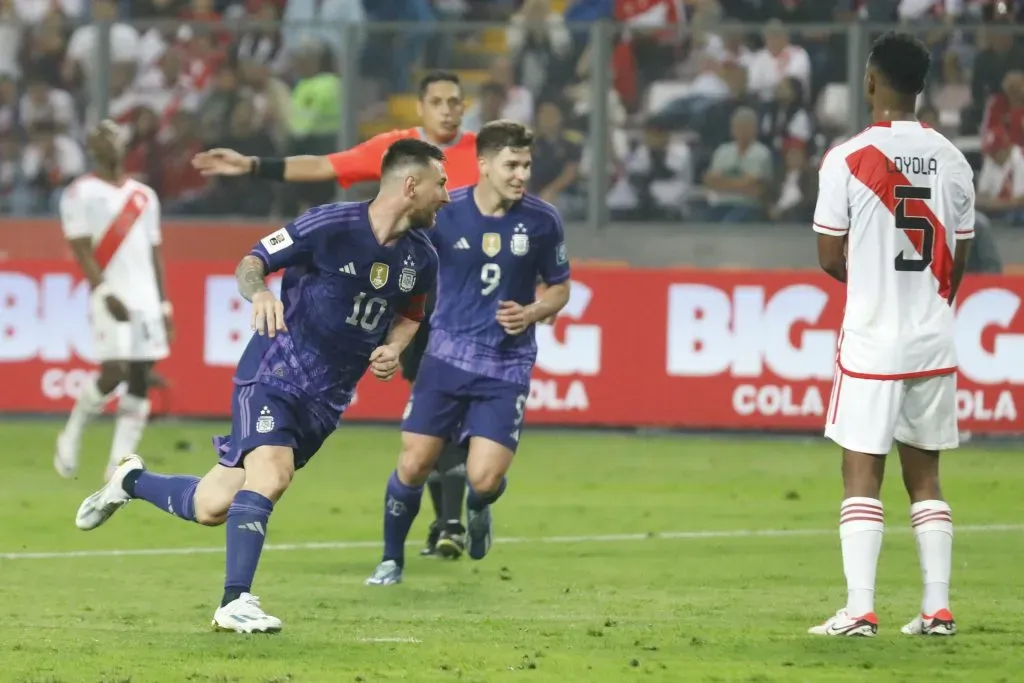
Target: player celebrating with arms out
{"type": "Point", "coordinates": [494, 241]}
{"type": "Point", "coordinates": [112, 224]}
{"type": "Point", "coordinates": [440, 108]}
{"type": "Point", "coordinates": [297, 375]}
{"type": "Point", "coordinates": [901, 196]}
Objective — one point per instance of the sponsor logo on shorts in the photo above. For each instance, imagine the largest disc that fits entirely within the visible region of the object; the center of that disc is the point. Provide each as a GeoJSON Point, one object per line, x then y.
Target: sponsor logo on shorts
{"type": "Point", "coordinates": [265, 422]}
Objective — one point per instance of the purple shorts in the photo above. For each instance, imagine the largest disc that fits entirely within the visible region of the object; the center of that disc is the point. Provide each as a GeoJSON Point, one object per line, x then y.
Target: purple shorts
{"type": "Point", "coordinates": [455, 405]}
{"type": "Point", "coordinates": [262, 415]}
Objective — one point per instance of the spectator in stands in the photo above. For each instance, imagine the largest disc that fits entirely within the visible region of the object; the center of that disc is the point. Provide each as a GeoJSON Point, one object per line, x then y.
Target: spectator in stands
{"type": "Point", "coordinates": [157, 9]}
{"type": "Point", "coordinates": [1001, 180]}
{"type": "Point", "coordinates": [778, 59]}
{"type": "Point", "coordinates": [270, 95]}
{"type": "Point", "coordinates": [740, 174]}
{"type": "Point", "coordinates": [263, 44]}
{"type": "Point", "coordinates": [657, 180]}
{"type": "Point", "coordinates": [42, 102]}
{"type": "Point", "coordinates": [540, 48]}
{"type": "Point", "coordinates": [81, 59]}
{"type": "Point", "coordinates": [216, 110]}
{"type": "Point", "coordinates": [1005, 110]}
{"type": "Point", "coordinates": [314, 21]}
{"type": "Point", "coordinates": [786, 118]}
{"type": "Point", "coordinates": [556, 161]}
{"type": "Point", "coordinates": [1000, 54]}
{"type": "Point", "coordinates": [36, 11]}
{"type": "Point", "coordinates": [49, 163]}
{"type": "Point", "coordinates": [490, 105]}
{"type": "Point", "coordinates": [796, 190]}
{"type": "Point", "coordinates": [716, 126]}
{"type": "Point", "coordinates": [181, 141]}
{"type": "Point", "coordinates": [144, 159]}
{"type": "Point", "coordinates": [519, 101]}
{"type": "Point", "coordinates": [43, 54]}
{"type": "Point", "coordinates": [13, 198]}
{"type": "Point", "coordinates": [8, 104]}
{"type": "Point", "coordinates": [315, 113]}
{"type": "Point", "coordinates": [10, 41]}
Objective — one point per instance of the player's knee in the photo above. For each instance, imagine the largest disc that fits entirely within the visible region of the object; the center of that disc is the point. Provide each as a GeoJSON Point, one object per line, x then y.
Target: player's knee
{"type": "Point", "coordinates": [112, 373]}
{"type": "Point", "coordinates": [269, 471]}
{"type": "Point", "coordinates": [212, 506]}
{"type": "Point", "coordinates": [418, 458]}
{"type": "Point", "coordinates": [487, 481]}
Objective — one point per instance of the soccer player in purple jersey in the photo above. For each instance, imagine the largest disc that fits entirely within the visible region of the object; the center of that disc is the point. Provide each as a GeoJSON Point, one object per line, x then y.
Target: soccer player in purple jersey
{"type": "Point", "coordinates": [355, 282]}
{"type": "Point", "coordinates": [494, 242]}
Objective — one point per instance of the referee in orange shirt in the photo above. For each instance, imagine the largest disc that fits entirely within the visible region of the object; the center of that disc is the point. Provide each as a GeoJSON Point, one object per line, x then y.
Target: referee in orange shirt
{"type": "Point", "coordinates": [440, 107]}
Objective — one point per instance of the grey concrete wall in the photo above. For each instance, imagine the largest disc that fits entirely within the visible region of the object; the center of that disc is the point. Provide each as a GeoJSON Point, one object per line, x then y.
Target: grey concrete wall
{"type": "Point", "coordinates": [718, 245]}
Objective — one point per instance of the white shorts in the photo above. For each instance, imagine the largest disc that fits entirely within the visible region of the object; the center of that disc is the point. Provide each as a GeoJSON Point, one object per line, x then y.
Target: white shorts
{"type": "Point", "coordinates": [142, 338]}
{"type": "Point", "coordinates": [865, 415]}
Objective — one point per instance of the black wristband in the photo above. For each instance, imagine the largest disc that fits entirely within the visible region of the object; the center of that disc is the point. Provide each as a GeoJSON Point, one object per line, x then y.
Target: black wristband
{"type": "Point", "coordinates": [270, 168]}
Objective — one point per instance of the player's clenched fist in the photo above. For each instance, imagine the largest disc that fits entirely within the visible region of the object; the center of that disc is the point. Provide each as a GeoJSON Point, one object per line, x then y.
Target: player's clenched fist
{"type": "Point", "coordinates": [220, 161]}
{"type": "Point", "coordinates": [267, 314]}
{"type": "Point", "coordinates": [384, 362]}
{"type": "Point", "coordinates": [513, 317]}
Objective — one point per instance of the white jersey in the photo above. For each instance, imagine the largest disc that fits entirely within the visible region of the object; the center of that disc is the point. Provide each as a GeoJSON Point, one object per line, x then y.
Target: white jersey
{"type": "Point", "coordinates": [123, 222]}
{"type": "Point", "coordinates": [903, 194]}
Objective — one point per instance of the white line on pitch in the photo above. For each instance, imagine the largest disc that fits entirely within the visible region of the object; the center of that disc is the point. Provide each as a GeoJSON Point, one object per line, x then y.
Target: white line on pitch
{"type": "Point", "coordinates": [608, 538]}
{"type": "Point", "coordinates": [390, 640]}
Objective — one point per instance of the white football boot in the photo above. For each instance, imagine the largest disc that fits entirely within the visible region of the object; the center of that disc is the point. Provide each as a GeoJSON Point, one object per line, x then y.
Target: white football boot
{"type": "Point", "coordinates": [388, 573]}
{"type": "Point", "coordinates": [101, 506]}
{"type": "Point", "coordinates": [939, 624]}
{"type": "Point", "coordinates": [842, 624]}
{"type": "Point", "coordinates": [244, 615]}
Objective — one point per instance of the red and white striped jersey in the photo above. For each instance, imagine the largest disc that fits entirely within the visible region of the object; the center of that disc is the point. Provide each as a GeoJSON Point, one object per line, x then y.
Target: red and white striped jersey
{"type": "Point", "coordinates": [903, 195]}
{"type": "Point", "coordinates": [123, 222]}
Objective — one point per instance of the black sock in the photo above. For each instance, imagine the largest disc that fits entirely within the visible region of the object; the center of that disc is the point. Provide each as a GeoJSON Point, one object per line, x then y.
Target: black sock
{"type": "Point", "coordinates": [128, 483]}
{"type": "Point", "coordinates": [453, 487]}
{"type": "Point", "coordinates": [232, 593]}
{"type": "Point", "coordinates": [434, 487]}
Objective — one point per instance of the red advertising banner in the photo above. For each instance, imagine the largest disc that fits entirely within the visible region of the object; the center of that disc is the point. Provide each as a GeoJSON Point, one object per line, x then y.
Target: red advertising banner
{"type": "Point", "coordinates": [654, 348]}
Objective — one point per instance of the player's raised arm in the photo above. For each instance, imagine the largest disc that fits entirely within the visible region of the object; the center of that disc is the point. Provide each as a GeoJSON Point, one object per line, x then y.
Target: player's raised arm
{"type": "Point", "coordinates": [359, 164]}
{"type": "Point", "coordinates": [832, 215]}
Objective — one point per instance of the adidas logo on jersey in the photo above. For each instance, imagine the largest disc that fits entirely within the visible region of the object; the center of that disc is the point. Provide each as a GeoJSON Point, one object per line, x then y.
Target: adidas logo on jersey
{"type": "Point", "coordinates": [463, 243]}
{"type": "Point", "coordinates": [349, 269]}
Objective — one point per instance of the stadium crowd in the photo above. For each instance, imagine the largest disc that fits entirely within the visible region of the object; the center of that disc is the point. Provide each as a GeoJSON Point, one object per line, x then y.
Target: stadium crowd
{"type": "Point", "coordinates": [698, 101]}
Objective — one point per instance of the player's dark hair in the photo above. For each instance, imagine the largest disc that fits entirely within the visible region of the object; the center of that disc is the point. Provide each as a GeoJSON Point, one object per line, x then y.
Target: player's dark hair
{"type": "Point", "coordinates": [410, 151]}
{"type": "Point", "coordinates": [903, 60]}
{"type": "Point", "coordinates": [497, 135]}
{"type": "Point", "coordinates": [438, 77]}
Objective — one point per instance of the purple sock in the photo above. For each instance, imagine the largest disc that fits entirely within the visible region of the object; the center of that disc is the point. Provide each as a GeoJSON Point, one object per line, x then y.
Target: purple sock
{"type": "Point", "coordinates": [173, 493]}
{"type": "Point", "coordinates": [401, 504]}
{"type": "Point", "coordinates": [478, 501]}
{"type": "Point", "coordinates": [247, 530]}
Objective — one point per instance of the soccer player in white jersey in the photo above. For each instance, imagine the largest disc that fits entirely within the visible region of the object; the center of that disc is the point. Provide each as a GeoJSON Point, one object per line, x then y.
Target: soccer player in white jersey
{"type": "Point", "coordinates": [112, 224]}
{"type": "Point", "coordinates": [894, 218]}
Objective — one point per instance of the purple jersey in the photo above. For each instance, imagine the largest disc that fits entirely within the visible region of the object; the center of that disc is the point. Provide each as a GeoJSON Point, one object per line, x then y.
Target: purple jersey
{"type": "Point", "coordinates": [341, 291]}
{"type": "Point", "coordinates": [484, 260]}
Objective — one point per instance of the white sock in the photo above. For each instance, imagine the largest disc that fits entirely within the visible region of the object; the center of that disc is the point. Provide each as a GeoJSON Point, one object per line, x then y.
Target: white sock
{"type": "Point", "coordinates": [132, 415]}
{"type": "Point", "coordinates": [932, 521]}
{"type": "Point", "coordinates": [89, 404]}
{"type": "Point", "coordinates": [861, 521]}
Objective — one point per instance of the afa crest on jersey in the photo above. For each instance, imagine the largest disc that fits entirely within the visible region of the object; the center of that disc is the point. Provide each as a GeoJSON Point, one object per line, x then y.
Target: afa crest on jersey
{"type": "Point", "coordinates": [520, 241]}
{"type": "Point", "coordinates": [492, 243]}
{"type": "Point", "coordinates": [407, 278]}
{"type": "Point", "coordinates": [379, 274]}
